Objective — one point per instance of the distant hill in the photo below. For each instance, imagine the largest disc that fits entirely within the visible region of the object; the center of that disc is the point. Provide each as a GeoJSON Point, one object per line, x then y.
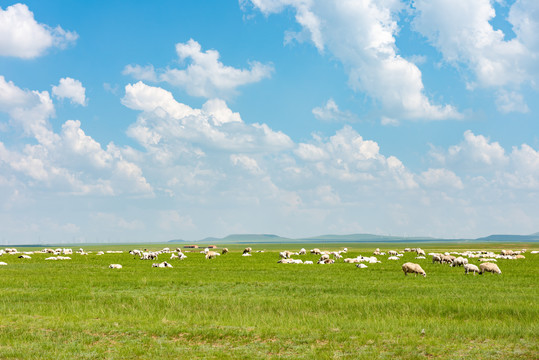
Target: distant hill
{"type": "Point", "coordinates": [271, 238]}
{"type": "Point", "coordinates": [511, 238]}
{"type": "Point", "coordinates": [362, 238]}
{"type": "Point", "coordinates": [244, 239]}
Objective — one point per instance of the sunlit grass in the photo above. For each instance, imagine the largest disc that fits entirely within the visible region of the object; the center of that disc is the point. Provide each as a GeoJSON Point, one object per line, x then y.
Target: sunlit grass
{"type": "Point", "coordinates": [252, 307]}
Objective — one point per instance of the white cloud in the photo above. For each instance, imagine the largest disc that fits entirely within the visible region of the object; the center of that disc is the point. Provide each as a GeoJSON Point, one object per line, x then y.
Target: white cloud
{"type": "Point", "coordinates": [462, 32]}
{"type": "Point", "coordinates": [331, 112]}
{"type": "Point", "coordinates": [510, 101]}
{"type": "Point", "coordinates": [71, 89]}
{"type": "Point", "coordinates": [21, 36]}
{"type": "Point", "coordinates": [65, 162]}
{"type": "Point", "coordinates": [441, 178]}
{"type": "Point", "coordinates": [146, 73]}
{"type": "Point", "coordinates": [477, 150]}
{"type": "Point", "coordinates": [215, 126]}
{"type": "Point", "coordinates": [246, 162]}
{"type": "Point", "coordinates": [368, 51]}
{"type": "Point", "coordinates": [205, 76]}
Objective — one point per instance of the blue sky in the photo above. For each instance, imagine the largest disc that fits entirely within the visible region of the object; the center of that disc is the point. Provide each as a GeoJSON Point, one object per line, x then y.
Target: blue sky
{"type": "Point", "coordinates": [149, 121]}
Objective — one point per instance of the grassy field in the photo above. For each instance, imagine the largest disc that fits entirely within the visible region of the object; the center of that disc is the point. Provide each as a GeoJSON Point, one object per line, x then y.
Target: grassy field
{"type": "Point", "coordinates": [251, 307]}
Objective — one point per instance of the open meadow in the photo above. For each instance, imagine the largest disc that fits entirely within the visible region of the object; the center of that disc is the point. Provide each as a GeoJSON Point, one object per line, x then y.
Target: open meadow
{"type": "Point", "coordinates": [253, 307]}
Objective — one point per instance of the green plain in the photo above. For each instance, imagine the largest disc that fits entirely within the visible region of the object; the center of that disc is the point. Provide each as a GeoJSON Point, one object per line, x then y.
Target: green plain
{"type": "Point", "coordinates": [238, 307]}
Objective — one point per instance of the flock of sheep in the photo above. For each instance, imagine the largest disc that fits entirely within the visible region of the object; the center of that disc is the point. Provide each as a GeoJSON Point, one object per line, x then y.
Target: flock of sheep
{"type": "Point", "coordinates": [486, 259]}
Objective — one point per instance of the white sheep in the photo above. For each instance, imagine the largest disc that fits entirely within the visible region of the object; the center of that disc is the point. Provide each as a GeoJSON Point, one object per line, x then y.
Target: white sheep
{"type": "Point", "coordinates": [224, 251]}
{"type": "Point", "coordinates": [24, 257]}
{"type": "Point", "coordinates": [470, 267]}
{"type": "Point", "coordinates": [437, 258]}
{"type": "Point", "coordinates": [316, 251]}
{"type": "Point", "coordinates": [413, 269]}
{"type": "Point", "coordinates": [211, 255]}
{"type": "Point", "coordinates": [247, 250]}
{"type": "Point", "coordinates": [326, 261]}
{"type": "Point", "coordinates": [164, 264]}
{"type": "Point", "coordinates": [2, 263]}
{"type": "Point", "coordinates": [246, 254]}
{"type": "Point", "coordinates": [323, 258]}
{"type": "Point", "coordinates": [392, 252]}
{"type": "Point", "coordinates": [393, 258]}
{"type": "Point", "coordinates": [489, 267]}
{"type": "Point", "coordinates": [308, 262]}
{"type": "Point", "coordinates": [115, 266]}
{"type": "Point", "coordinates": [52, 258]}
{"type": "Point", "coordinates": [459, 261]}
{"type": "Point", "coordinates": [361, 266]}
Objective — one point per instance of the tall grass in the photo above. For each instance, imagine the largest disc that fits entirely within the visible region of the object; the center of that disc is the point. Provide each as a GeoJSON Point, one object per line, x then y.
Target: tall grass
{"type": "Point", "coordinates": [252, 307]}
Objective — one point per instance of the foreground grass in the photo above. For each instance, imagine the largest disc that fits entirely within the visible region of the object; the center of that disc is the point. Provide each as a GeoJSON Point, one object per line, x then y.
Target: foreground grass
{"type": "Point", "coordinates": [252, 307]}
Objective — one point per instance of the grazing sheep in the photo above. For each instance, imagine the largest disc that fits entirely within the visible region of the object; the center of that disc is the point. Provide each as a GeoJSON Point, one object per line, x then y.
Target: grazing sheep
{"type": "Point", "coordinates": [302, 251]}
{"type": "Point", "coordinates": [247, 250]}
{"type": "Point", "coordinates": [308, 262]}
{"type": "Point", "coordinates": [2, 263]}
{"type": "Point", "coordinates": [393, 258]}
{"type": "Point", "coordinates": [489, 267]}
{"type": "Point", "coordinates": [100, 253]}
{"type": "Point", "coordinates": [413, 269]}
{"type": "Point", "coordinates": [52, 258]}
{"type": "Point", "coordinates": [377, 252]}
{"type": "Point", "coordinates": [323, 257]}
{"type": "Point", "coordinates": [173, 256]}
{"type": "Point", "coordinates": [164, 264]}
{"type": "Point", "coordinates": [351, 260]}
{"type": "Point", "coordinates": [470, 267]}
{"type": "Point", "coordinates": [420, 257]}
{"type": "Point", "coordinates": [392, 252]}
{"type": "Point", "coordinates": [316, 251]}
{"type": "Point", "coordinates": [447, 259]}
{"type": "Point", "coordinates": [520, 257]}
{"type": "Point", "coordinates": [247, 254]}
{"type": "Point", "coordinates": [285, 254]}
{"type": "Point", "coordinates": [420, 252]}
{"type": "Point", "coordinates": [24, 257]}
{"type": "Point", "coordinates": [436, 258]}
{"type": "Point", "coordinates": [224, 251]}
{"type": "Point", "coordinates": [211, 255]}
{"type": "Point", "coordinates": [361, 266]}
{"type": "Point", "coordinates": [459, 261]}
{"type": "Point", "coordinates": [115, 266]}
{"type": "Point", "coordinates": [326, 261]}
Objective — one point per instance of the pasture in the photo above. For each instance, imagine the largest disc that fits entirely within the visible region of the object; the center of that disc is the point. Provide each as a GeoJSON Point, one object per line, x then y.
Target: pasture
{"type": "Point", "coordinates": [254, 308]}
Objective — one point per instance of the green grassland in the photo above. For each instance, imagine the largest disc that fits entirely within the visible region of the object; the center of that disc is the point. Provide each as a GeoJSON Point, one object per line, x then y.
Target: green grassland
{"type": "Point", "coordinates": [254, 308]}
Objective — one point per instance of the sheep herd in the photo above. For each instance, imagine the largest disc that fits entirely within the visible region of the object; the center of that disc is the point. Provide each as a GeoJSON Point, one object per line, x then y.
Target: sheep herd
{"type": "Point", "coordinates": [486, 259]}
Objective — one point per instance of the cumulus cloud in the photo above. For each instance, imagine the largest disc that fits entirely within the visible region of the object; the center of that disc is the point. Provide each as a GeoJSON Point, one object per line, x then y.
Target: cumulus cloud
{"type": "Point", "coordinates": [462, 32]}
{"type": "Point", "coordinates": [67, 162]}
{"type": "Point", "coordinates": [22, 36]}
{"type": "Point", "coordinates": [146, 73]}
{"type": "Point", "coordinates": [486, 164]}
{"type": "Point", "coordinates": [368, 51]}
{"type": "Point", "coordinates": [347, 157]}
{"type": "Point", "coordinates": [214, 126]}
{"type": "Point", "coordinates": [71, 89]}
{"type": "Point", "coordinates": [510, 101]}
{"type": "Point", "coordinates": [331, 112]}
{"type": "Point", "coordinates": [441, 178]}
{"type": "Point", "coordinates": [205, 75]}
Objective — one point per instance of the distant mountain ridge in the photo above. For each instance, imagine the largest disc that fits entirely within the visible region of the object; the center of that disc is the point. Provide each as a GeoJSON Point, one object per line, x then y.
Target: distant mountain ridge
{"type": "Point", "coordinates": [271, 238]}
